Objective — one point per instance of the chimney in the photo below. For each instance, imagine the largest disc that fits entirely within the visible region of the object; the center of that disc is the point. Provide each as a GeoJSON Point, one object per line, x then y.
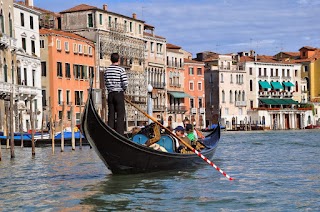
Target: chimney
{"type": "Point", "coordinates": [105, 7]}
{"type": "Point", "coordinates": [29, 3]}
{"type": "Point", "coordinates": [134, 16]}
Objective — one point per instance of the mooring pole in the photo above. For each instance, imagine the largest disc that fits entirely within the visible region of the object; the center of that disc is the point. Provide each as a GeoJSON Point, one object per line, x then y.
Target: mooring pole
{"type": "Point", "coordinates": [73, 142]}
{"type": "Point", "coordinates": [11, 126]}
{"type": "Point", "coordinates": [32, 128]}
{"type": "Point", "coordinates": [62, 128]}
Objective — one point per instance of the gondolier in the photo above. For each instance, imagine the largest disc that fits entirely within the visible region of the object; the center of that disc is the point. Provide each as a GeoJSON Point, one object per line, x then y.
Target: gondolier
{"type": "Point", "coordinates": [116, 83]}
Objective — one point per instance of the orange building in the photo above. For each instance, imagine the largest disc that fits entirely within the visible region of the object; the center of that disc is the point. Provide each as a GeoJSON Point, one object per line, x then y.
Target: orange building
{"type": "Point", "coordinates": [67, 65]}
{"type": "Point", "coordinates": [194, 87]}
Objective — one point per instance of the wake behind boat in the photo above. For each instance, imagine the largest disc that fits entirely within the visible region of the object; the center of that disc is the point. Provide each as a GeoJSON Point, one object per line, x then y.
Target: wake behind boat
{"type": "Point", "coordinates": [123, 156]}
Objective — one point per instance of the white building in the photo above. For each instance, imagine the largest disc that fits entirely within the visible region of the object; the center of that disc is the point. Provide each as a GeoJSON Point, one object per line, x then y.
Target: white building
{"type": "Point", "coordinates": [26, 23]}
{"type": "Point", "coordinates": [274, 91]}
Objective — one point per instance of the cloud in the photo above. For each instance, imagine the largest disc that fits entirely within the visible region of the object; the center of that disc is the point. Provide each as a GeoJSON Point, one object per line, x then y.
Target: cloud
{"type": "Point", "coordinates": [226, 25]}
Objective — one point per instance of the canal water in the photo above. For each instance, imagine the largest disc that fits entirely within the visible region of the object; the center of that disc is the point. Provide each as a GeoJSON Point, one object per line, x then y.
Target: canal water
{"type": "Point", "coordinates": [274, 171]}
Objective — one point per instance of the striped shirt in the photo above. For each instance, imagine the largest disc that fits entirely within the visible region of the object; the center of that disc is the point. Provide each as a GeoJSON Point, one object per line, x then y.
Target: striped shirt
{"type": "Point", "coordinates": [115, 78]}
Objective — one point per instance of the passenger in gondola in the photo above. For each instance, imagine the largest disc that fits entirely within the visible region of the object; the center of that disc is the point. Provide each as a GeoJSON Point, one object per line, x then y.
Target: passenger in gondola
{"type": "Point", "coordinates": [180, 133]}
{"type": "Point", "coordinates": [192, 135]}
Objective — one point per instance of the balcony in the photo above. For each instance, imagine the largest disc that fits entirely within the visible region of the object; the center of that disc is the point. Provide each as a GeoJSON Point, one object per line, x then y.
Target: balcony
{"type": "Point", "coordinates": [202, 110]}
{"type": "Point", "coordinates": [278, 94]}
{"type": "Point", "coordinates": [193, 110]}
{"type": "Point", "coordinates": [158, 108]}
{"type": "Point", "coordinates": [158, 85]}
{"type": "Point", "coordinates": [22, 90]}
{"type": "Point", "coordinates": [241, 104]}
{"type": "Point", "coordinates": [7, 41]}
{"type": "Point", "coordinates": [177, 109]}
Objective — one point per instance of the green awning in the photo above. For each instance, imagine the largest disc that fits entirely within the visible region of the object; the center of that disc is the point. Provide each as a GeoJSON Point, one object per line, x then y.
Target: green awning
{"type": "Point", "coordinates": [265, 84]}
{"type": "Point", "coordinates": [278, 101]}
{"type": "Point", "coordinates": [288, 84]}
{"type": "Point", "coordinates": [179, 95]}
{"type": "Point", "coordinates": [276, 85]}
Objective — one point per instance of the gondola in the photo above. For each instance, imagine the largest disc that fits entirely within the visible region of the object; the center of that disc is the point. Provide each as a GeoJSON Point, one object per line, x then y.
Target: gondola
{"type": "Point", "coordinates": [123, 156]}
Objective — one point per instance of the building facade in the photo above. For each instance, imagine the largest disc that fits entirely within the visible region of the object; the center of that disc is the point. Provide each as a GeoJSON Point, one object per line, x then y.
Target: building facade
{"type": "Point", "coordinates": [67, 67]}
{"type": "Point", "coordinates": [194, 87]}
{"type": "Point", "coordinates": [28, 73]}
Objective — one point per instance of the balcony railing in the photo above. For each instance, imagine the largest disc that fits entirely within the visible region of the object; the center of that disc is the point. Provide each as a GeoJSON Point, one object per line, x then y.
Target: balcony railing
{"type": "Point", "coordinates": [276, 94]}
{"type": "Point", "coordinates": [202, 110]}
{"type": "Point", "coordinates": [158, 84]}
{"type": "Point", "coordinates": [158, 108]}
{"type": "Point", "coordinates": [7, 41]}
{"type": "Point", "coordinates": [193, 110]}
{"type": "Point", "coordinates": [6, 87]}
{"type": "Point", "coordinates": [177, 109]}
{"type": "Point", "coordinates": [241, 103]}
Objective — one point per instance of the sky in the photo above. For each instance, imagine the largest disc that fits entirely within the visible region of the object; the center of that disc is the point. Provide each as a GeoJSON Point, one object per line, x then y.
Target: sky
{"type": "Point", "coordinates": [222, 26]}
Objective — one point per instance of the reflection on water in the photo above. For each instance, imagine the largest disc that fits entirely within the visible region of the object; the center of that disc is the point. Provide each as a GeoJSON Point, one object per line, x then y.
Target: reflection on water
{"type": "Point", "coordinates": [274, 171]}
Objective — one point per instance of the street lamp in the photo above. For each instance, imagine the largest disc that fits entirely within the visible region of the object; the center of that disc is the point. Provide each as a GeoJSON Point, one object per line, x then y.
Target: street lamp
{"type": "Point", "coordinates": [135, 118]}
{"type": "Point", "coordinates": [149, 102]}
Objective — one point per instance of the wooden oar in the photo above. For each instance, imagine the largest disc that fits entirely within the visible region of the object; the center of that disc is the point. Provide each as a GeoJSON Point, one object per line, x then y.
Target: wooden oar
{"type": "Point", "coordinates": [180, 140]}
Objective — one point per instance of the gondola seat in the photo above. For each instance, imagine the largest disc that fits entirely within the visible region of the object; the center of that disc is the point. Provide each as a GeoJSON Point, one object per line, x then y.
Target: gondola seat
{"type": "Point", "coordinates": [165, 141]}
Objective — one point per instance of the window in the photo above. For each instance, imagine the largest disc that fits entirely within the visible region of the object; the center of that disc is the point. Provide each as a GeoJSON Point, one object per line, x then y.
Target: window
{"type": "Point", "coordinates": [24, 45]}
{"type": "Point", "coordinates": [75, 48]}
{"type": "Point", "coordinates": [140, 29]}
{"type": "Point", "coordinates": [22, 19]}
{"type": "Point", "coordinates": [271, 72]}
{"type": "Point", "coordinates": [125, 25]}
{"type": "Point", "coordinates": [130, 26]}
{"type": "Point", "coordinates": [231, 98]}
{"type": "Point", "coordinates": [200, 102]}
{"type": "Point", "coordinates": [80, 49]}
{"type": "Point", "coordinates": [85, 49]}
{"type": "Point", "coordinates": [306, 68]}
{"type": "Point", "coordinates": [66, 46]}
{"type": "Point", "coordinates": [100, 19]}
{"type": "Point", "coordinates": [109, 21]}
{"type": "Point", "coordinates": [67, 70]}
{"type": "Point", "coordinates": [250, 70]}
{"type": "Point", "coordinates": [68, 114]}
{"type": "Point", "coordinates": [231, 79]}
{"type": "Point", "coordinates": [90, 20]}
{"type": "Point", "coordinates": [283, 73]}
{"type": "Point", "coordinates": [288, 72]}
{"type": "Point", "coordinates": [31, 22]}
{"type": "Point", "coordinates": [60, 97]}
{"type": "Point", "coordinates": [58, 44]}
{"type": "Point", "coordinates": [115, 22]}
{"type": "Point", "coordinates": [33, 47]}
{"type": "Point", "coordinates": [277, 72]}
{"type": "Point", "coordinates": [151, 46]}
{"type": "Point", "coordinates": [265, 71]}
{"type": "Point", "coordinates": [33, 77]}
{"type": "Point", "coordinates": [43, 69]}
{"type": "Point", "coordinates": [223, 97]}
{"type": "Point", "coordinates": [25, 76]}
{"type": "Point", "coordinates": [199, 71]}
{"type": "Point", "coordinates": [251, 86]}
{"type": "Point", "coordinates": [60, 114]}
{"type": "Point", "coordinates": [192, 103]}
{"type": "Point", "coordinates": [1, 22]}
{"type": "Point", "coordinates": [59, 69]}
{"type": "Point", "coordinates": [68, 97]}
{"type": "Point", "coordinates": [191, 86]}
{"type": "Point", "coordinates": [90, 50]}
{"type": "Point", "coordinates": [191, 70]}
{"type": "Point", "coordinates": [221, 80]}
{"type": "Point", "coordinates": [44, 98]}
{"type": "Point", "coordinates": [41, 44]}
{"type": "Point", "coordinates": [78, 97]}
{"type": "Point", "coordinates": [91, 72]}
{"type": "Point", "coordinates": [259, 71]}
{"type": "Point", "coordinates": [78, 115]}
{"type": "Point", "coordinates": [199, 86]}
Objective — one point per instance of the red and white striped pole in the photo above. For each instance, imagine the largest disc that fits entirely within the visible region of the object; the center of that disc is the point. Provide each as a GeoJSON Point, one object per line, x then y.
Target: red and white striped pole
{"type": "Point", "coordinates": [212, 164]}
{"type": "Point", "coordinates": [181, 141]}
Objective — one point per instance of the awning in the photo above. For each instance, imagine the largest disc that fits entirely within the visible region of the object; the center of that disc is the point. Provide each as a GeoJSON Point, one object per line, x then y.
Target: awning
{"type": "Point", "coordinates": [179, 95]}
{"type": "Point", "coordinates": [278, 101]}
{"type": "Point", "coordinates": [276, 85]}
{"type": "Point", "coordinates": [265, 84]}
{"type": "Point", "coordinates": [288, 84]}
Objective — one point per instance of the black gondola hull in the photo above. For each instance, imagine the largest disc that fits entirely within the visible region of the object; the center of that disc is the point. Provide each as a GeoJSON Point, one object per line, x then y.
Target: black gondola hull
{"type": "Point", "coordinates": [122, 156]}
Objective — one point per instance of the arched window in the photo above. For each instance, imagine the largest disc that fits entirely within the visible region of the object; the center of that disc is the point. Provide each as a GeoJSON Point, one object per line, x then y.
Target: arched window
{"type": "Point", "coordinates": [235, 96]}
{"type": "Point", "coordinates": [231, 79]}
{"type": "Point", "coordinates": [1, 22]}
{"type": "Point", "coordinates": [221, 80]}
{"type": "Point", "coordinates": [231, 98]}
{"type": "Point", "coordinates": [239, 96]}
{"type": "Point", "coordinates": [10, 26]}
{"type": "Point", "coordinates": [5, 70]}
{"type": "Point", "coordinates": [297, 86]}
{"type": "Point", "coordinates": [243, 96]}
{"type": "Point", "coordinates": [223, 97]}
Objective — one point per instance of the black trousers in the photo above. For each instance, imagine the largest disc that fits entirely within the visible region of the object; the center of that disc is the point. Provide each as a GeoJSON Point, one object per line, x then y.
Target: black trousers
{"type": "Point", "coordinates": [116, 105]}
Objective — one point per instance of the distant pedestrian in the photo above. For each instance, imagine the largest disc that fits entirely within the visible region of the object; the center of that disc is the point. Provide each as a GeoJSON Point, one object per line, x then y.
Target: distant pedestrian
{"type": "Point", "coordinates": [116, 83]}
